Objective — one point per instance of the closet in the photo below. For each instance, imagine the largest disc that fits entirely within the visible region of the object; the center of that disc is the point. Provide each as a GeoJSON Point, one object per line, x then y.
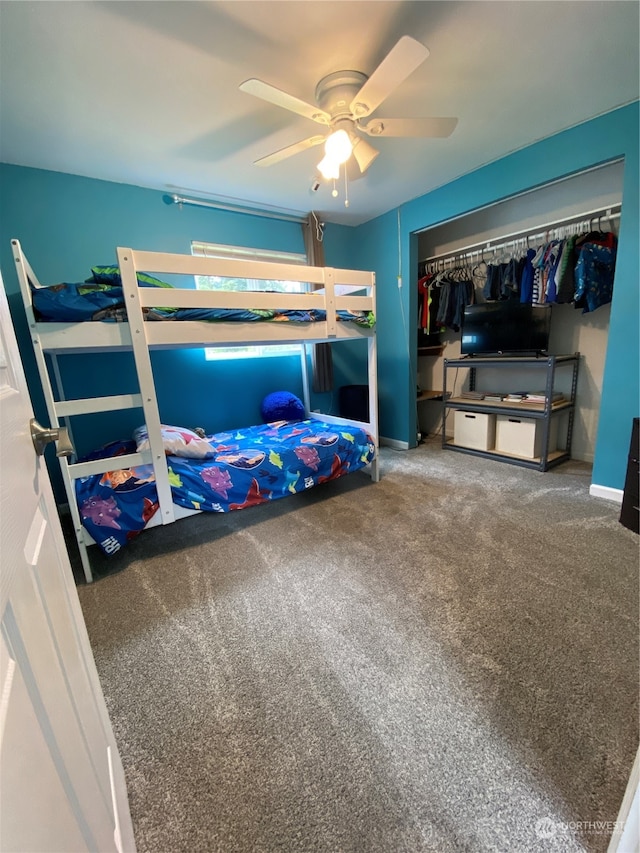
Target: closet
{"type": "Point", "coordinates": [461, 249]}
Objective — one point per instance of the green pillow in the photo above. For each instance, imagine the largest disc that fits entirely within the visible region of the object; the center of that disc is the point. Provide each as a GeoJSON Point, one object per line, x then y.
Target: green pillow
{"type": "Point", "coordinates": [111, 275]}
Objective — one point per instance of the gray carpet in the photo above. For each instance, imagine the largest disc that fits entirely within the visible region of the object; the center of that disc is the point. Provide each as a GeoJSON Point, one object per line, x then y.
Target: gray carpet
{"type": "Point", "coordinates": [446, 660]}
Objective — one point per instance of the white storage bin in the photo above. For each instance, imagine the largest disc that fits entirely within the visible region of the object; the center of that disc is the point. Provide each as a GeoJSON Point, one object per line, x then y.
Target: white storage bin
{"type": "Point", "coordinates": [523, 436]}
{"type": "Point", "coordinates": [476, 430]}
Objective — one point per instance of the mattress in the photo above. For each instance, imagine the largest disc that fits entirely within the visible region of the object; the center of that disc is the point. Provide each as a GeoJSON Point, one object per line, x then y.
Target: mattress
{"type": "Point", "coordinates": [247, 467]}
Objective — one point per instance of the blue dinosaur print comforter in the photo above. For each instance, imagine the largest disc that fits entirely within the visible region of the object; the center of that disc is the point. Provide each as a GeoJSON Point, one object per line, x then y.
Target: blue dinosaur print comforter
{"type": "Point", "coordinates": [248, 467]}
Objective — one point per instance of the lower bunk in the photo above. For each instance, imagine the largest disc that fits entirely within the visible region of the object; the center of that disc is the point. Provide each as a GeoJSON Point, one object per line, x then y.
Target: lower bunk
{"type": "Point", "coordinates": [218, 473]}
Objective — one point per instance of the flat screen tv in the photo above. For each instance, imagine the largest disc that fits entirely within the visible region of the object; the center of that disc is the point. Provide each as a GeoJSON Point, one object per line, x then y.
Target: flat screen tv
{"type": "Point", "coordinates": [506, 328]}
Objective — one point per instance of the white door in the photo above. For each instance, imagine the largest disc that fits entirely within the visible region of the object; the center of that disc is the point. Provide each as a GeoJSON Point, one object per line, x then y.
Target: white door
{"type": "Point", "coordinates": [62, 786]}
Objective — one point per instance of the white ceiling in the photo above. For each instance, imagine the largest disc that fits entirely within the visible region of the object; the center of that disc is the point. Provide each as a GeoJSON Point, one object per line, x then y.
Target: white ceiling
{"type": "Point", "coordinates": [146, 93]}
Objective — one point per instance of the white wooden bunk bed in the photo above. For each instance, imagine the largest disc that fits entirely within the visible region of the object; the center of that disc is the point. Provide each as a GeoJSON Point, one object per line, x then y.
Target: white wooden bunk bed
{"type": "Point", "coordinates": [334, 293]}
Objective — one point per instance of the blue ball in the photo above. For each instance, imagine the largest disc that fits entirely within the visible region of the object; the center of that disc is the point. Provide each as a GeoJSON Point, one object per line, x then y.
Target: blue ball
{"type": "Point", "coordinates": [282, 406]}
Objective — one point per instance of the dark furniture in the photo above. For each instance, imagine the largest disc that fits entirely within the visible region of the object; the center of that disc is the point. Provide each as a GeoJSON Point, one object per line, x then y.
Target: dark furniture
{"type": "Point", "coordinates": [353, 402]}
{"type": "Point", "coordinates": [630, 514]}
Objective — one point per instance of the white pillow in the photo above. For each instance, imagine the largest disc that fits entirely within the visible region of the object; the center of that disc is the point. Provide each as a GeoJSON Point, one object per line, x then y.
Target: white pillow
{"type": "Point", "coordinates": [177, 441]}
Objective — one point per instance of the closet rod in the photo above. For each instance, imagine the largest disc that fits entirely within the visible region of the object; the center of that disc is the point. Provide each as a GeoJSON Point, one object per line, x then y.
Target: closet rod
{"type": "Point", "coordinates": [611, 211]}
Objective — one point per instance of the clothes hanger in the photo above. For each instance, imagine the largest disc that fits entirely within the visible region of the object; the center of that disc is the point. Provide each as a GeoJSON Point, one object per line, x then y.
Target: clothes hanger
{"type": "Point", "coordinates": [479, 271]}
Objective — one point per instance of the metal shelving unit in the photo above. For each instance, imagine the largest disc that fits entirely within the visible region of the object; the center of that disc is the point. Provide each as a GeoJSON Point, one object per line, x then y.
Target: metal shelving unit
{"type": "Point", "coordinates": [548, 365]}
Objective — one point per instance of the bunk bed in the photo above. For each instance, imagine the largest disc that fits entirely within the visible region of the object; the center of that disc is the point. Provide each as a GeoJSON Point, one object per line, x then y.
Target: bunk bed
{"type": "Point", "coordinates": [312, 448]}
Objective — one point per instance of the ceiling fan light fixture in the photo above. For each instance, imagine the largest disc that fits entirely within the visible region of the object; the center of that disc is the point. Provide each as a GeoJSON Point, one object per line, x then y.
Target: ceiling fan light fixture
{"type": "Point", "coordinates": [329, 168]}
{"type": "Point", "coordinates": [338, 146]}
{"type": "Point", "coordinates": [364, 154]}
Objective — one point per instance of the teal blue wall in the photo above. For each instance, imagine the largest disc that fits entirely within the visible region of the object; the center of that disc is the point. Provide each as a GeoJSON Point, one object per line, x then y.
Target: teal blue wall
{"type": "Point", "coordinates": [375, 247]}
{"type": "Point", "coordinates": [66, 224]}
{"type": "Point", "coordinates": [377, 243]}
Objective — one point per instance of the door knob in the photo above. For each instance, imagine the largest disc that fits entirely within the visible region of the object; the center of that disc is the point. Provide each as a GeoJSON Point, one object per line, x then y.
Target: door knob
{"type": "Point", "coordinates": [42, 436]}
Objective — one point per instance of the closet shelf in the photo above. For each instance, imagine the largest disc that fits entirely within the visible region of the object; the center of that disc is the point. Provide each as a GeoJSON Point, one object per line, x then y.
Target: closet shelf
{"type": "Point", "coordinates": [532, 409]}
{"type": "Point", "coordinates": [537, 462]}
{"type": "Point", "coordinates": [435, 350]}
{"type": "Point", "coordinates": [430, 395]}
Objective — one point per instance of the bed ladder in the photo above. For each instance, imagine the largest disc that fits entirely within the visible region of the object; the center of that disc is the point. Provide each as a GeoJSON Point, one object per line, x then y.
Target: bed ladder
{"type": "Point", "coordinates": [62, 410]}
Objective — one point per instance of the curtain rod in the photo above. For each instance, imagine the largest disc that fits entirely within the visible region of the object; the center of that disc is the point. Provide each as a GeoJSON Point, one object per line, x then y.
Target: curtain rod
{"type": "Point", "coordinates": [611, 211]}
{"type": "Point", "coordinates": [285, 216]}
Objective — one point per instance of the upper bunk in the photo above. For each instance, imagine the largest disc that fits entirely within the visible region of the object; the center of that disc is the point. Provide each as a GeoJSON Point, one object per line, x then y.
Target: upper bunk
{"type": "Point", "coordinates": [338, 305]}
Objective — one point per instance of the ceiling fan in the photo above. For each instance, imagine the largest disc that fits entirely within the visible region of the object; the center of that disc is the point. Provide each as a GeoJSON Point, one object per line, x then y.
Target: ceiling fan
{"type": "Point", "coordinates": [344, 100]}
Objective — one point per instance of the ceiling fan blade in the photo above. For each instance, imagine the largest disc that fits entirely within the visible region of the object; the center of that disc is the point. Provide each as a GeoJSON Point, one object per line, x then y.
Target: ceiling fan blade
{"type": "Point", "coordinates": [364, 154]}
{"type": "Point", "coordinates": [284, 99]}
{"type": "Point", "coordinates": [289, 151]}
{"type": "Point", "coordinates": [406, 55]}
{"type": "Point", "coordinates": [426, 127]}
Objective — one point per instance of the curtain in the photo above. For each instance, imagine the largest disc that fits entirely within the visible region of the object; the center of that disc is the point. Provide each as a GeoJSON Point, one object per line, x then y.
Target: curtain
{"type": "Point", "coordinates": [321, 356]}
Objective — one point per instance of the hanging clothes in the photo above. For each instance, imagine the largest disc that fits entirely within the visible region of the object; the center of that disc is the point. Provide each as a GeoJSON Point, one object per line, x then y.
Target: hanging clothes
{"type": "Point", "coordinates": [594, 271]}
{"type": "Point", "coordinates": [564, 269]}
{"type": "Point", "coordinates": [552, 257]}
{"type": "Point", "coordinates": [510, 278]}
{"type": "Point", "coordinates": [455, 294]}
{"type": "Point", "coordinates": [526, 277]}
{"type": "Point", "coordinates": [565, 280]}
{"type": "Point", "coordinates": [426, 314]}
{"type": "Point", "coordinates": [503, 280]}
{"type": "Point", "coordinates": [491, 289]}
{"type": "Point", "coordinates": [429, 295]}
{"type": "Point", "coordinates": [578, 269]}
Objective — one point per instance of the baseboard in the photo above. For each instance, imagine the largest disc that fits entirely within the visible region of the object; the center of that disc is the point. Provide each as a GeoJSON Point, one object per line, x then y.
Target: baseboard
{"type": "Point", "coordinates": [394, 443]}
{"type": "Point", "coordinates": [606, 492]}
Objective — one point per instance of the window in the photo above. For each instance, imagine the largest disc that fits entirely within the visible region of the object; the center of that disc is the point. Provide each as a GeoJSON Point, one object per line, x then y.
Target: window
{"type": "Point", "coordinates": [214, 282]}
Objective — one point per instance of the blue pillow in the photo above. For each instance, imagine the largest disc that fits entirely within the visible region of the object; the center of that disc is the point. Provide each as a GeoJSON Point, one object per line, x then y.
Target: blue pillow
{"type": "Point", "coordinates": [282, 406]}
{"type": "Point", "coordinates": [70, 302]}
